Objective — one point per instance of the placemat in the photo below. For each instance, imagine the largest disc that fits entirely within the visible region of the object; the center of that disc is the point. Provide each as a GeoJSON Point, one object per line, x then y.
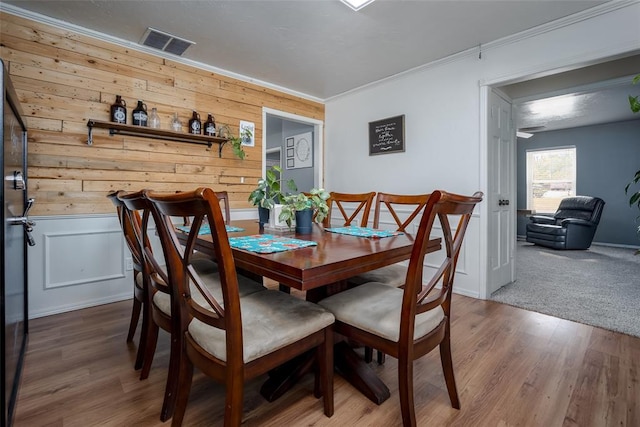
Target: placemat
{"type": "Point", "coordinates": [364, 232]}
{"type": "Point", "coordinates": [267, 243]}
{"type": "Point", "coordinates": [206, 229]}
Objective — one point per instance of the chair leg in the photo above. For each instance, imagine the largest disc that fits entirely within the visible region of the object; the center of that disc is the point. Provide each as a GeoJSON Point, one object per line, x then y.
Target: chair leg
{"type": "Point", "coordinates": [368, 354]}
{"type": "Point", "coordinates": [234, 396]}
{"type": "Point", "coordinates": [317, 386]}
{"type": "Point", "coordinates": [405, 386]}
{"type": "Point", "coordinates": [326, 370]}
{"type": "Point", "coordinates": [185, 376]}
{"type": "Point", "coordinates": [447, 367]}
{"type": "Point", "coordinates": [149, 349]}
{"type": "Point", "coordinates": [144, 334]}
{"type": "Point", "coordinates": [175, 361]}
{"type": "Point", "coordinates": [381, 358]}
{"type": "Point", "coordinates": [135, 315]}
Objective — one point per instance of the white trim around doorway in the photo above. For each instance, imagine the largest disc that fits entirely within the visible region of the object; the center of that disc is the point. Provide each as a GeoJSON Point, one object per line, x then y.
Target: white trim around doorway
{"type": "Point", "coordinates": [318, 140]}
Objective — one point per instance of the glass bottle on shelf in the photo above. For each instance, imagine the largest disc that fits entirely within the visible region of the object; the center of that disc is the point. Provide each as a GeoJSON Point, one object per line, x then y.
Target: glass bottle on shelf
{"type": "Point", "coordinates": [175, 123]}
{"type": "Point", "coordinates": [140, 114]}
{"type": "Point", "coordinates": [154, 119]}
{"type": "Point", "coordinates": [119, 111]}
{"type": "Point", "coordinates": [209, 127]}
{"type": "Point", "coordinates": [195, 125]}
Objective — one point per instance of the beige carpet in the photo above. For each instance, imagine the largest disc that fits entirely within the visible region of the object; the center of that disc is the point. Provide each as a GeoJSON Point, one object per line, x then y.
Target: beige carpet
{"type": "Point", "coordinates": [599, 286]}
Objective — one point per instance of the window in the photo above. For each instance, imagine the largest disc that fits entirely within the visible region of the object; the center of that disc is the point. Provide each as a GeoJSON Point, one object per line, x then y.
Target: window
{"type": "Point", "coordinates": [551, 176]}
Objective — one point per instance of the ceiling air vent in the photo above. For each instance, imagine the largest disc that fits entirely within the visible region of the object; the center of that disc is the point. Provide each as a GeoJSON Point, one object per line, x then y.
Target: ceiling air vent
{"type": "Point", "coordinates": [165, 41]}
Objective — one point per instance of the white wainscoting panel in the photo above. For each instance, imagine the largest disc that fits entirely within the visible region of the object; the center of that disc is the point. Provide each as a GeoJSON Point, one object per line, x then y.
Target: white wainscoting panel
{"type": "Point", "coordinates": [78, 262]}
{"type": "Point", "coordinates": [96, 256]}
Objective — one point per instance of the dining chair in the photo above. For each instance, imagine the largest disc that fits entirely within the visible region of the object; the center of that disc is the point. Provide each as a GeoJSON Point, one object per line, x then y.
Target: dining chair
{"type": "Point", "coordinates": [127, 224]}
{"type": "Point", "coordinates": [409, 322]}
{"type": "Point", "coordinates": [159, 295]}
{"type": "Point", "coordinates": [350, 206]}
{"type": "Point", "coordinates": [230, 338]}
{"type": "Point", "coordinates": [403, 209]}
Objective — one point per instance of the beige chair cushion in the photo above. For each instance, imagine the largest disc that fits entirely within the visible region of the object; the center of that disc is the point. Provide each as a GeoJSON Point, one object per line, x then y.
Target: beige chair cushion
{"type": "Point", "coordinates": [375, 308]}
{"type": "Point", "coordinates": [270, 320]}
{"type": "Point", "coordinates": [139, 281]}
{"type": "Point", "coordinates": [208, 271]}
{"type": "Point", "coordinates": [391, 275]}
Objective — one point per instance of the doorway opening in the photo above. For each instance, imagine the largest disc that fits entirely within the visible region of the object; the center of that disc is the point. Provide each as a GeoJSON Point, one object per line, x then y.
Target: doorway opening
{"type": "Point", "coordinates": [279, 129]}
{"type": "Point", "coordinates": [588, 78]}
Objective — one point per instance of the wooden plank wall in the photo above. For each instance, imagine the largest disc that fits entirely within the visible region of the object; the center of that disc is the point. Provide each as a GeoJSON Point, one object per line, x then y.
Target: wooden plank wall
{"type": "Point", "coordinates": [64, 78]}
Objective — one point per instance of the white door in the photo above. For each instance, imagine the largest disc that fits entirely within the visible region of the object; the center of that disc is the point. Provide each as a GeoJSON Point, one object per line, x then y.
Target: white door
{"type": "Point", "coordinates": [501, 198]}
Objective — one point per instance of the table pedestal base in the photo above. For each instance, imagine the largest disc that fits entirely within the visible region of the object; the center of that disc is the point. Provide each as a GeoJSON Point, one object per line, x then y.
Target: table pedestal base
{"type": "Point", "coordinates": [348, 364]}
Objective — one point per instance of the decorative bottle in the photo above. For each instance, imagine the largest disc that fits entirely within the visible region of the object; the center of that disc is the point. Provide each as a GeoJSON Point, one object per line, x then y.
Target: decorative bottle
{"type": "Point", "coordinates": [195, 125]}
{"type": "Point", "coordinates": [119, 111]}
{"type": "Point", "coordinates": [175, 123]}
{"type": "Point", "coordinates": [140, 114]}
{"type": "Point", "coordinates": [154, 119]}
{"type": "Point", "coordinates": [209, 127]}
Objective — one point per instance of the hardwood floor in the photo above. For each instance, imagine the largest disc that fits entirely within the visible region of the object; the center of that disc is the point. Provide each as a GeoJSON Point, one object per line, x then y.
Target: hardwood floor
{"type": "Point", "coordinates": [513, 368]}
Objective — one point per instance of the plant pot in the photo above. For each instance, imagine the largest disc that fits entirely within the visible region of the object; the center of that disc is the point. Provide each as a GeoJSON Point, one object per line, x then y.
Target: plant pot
{"type": "Point", "coordinates": [263, 215]}
{"type": "Point", "coordinates": [274, 217]}
{"type": "Point", "coordinates": [304, 221]}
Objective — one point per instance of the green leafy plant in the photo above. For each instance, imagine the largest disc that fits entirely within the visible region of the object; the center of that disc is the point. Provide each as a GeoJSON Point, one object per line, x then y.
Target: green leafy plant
{"type": "Point", "coordinates": [316, 199]}
{"type": "Point", "coordinates": [269, 189]}
{"type": "Point", "coordinates": [634, 103]}
{"type": "Point", "coordinates": [236, 141]}
{"type": "Point", "coordinates": [634, 198]}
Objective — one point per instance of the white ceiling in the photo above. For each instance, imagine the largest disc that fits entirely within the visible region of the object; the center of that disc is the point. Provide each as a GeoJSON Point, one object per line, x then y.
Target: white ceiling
{"type": "Point", "coordinates": [316, 48]}
{"type": "Point", "coordinates": [590, 95]}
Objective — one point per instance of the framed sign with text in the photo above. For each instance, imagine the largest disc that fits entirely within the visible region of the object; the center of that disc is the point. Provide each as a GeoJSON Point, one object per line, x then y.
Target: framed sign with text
{"type": "Point", "coordinates": [386, 135]}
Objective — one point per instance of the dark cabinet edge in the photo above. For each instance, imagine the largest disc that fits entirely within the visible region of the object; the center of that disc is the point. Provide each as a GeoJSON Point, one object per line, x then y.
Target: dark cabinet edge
{"type": "Point", "coordinates": [146, 132]}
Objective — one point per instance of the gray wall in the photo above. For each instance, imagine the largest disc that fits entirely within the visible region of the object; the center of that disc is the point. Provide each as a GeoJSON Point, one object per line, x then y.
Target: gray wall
{"type": "Point", "coordinates": [607, 158]}
{"type": "Point", "coordinates": [278, 130]}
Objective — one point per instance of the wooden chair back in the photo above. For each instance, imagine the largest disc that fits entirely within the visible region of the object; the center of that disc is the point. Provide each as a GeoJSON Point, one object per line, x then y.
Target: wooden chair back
{"type": "Point", "coordinates": [357, 203]}
{"type": "Point", "coordinates": [404, 208]}
{"type": "Point", "coordinates": [419, 298]}
{"type": "Point", "coordinates": [223, 197]}
{"type": "Point", "coordinates": [201, 205]}
{"type": "Point", "coordinates": [129, 222]}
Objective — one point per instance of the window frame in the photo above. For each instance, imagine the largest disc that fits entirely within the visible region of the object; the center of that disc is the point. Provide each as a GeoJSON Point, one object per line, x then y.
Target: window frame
{"type": "Point", "coordinates": [529, 171]}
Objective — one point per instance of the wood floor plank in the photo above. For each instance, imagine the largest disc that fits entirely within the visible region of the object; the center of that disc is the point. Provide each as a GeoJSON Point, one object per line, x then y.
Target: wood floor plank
{"type": "Point", "coordinates": [512, 367]}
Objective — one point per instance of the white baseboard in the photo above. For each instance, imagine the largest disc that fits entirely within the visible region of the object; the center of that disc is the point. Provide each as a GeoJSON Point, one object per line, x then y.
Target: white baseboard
{"type": "Point", "coordinates": [79, 306]}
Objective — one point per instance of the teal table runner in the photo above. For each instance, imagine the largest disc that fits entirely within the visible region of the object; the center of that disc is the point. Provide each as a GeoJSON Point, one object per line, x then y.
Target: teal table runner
{"type": "Point", "coordinates": [364, 232]}
{"type": "Point", "coordinates": [205, 229]}
{"type": "Point", "coordinates": [267, 243]}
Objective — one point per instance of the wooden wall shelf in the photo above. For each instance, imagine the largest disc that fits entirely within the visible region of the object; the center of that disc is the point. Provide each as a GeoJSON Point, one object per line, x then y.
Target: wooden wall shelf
{"type": "Point", "coordinates": [147, 132]}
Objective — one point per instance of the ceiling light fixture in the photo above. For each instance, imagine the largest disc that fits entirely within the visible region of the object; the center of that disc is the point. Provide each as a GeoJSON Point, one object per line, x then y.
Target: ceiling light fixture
{"type": "Point", "coordinates": [525, 135]}
{"type": "Point", "coordinates": [356, 4]}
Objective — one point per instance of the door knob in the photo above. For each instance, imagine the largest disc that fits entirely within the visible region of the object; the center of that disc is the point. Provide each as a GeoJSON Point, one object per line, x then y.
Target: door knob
{"type": "Point", "coordinates": [25, 222]}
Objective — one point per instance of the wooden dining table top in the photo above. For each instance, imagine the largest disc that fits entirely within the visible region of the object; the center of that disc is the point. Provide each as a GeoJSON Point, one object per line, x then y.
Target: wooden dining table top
{"type": "Point", "coordinates": [336, 257]}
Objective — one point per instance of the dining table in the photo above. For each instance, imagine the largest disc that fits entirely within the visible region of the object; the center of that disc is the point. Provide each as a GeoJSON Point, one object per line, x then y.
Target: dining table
{"type": "Point", "coordinates": [321, 270]}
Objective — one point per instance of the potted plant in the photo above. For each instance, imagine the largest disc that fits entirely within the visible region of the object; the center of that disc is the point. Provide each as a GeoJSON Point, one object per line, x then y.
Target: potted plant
{"type": "Point", "coordinates": [236, 141]}
{"type": "Point", "coordinates": [305, 208]}
{"type": "Point", "coordinates": [268, 193]}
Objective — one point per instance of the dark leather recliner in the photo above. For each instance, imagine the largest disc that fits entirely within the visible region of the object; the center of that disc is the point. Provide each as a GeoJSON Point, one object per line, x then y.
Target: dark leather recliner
{"type": "Point", "coordinates": [571, 227]}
